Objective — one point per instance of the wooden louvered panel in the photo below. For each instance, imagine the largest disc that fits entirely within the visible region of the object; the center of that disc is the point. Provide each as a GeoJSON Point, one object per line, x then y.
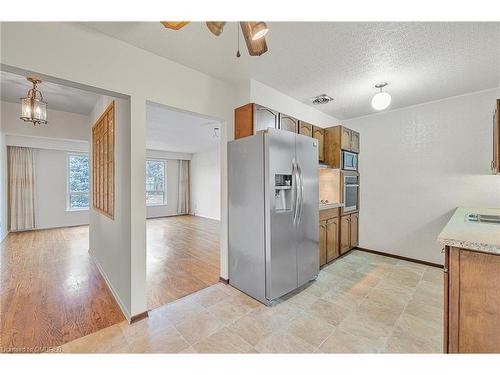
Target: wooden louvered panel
{"type": "Point", "coordinates": [103, 165]}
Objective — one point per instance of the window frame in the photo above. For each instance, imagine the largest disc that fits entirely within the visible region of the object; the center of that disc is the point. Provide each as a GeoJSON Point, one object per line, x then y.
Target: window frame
{"type": "Point", "coordinates": [69, 193]}
{"type": "Point", "coordinates": [165, 194]}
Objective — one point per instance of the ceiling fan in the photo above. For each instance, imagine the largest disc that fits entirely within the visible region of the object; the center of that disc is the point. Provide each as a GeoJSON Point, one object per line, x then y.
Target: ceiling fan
{"type": "Point", "coordinates": [254, 33]}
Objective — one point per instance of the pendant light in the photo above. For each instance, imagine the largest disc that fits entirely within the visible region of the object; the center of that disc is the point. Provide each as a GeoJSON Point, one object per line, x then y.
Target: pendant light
{"type": "Point", "coordinates": [33, 107]}
{"type": "Point", "coordinates": [381, 100]}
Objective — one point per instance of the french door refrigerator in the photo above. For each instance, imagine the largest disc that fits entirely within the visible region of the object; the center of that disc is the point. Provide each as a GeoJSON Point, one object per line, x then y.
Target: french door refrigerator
{"type": "Point", "coordinates": [273, 213]}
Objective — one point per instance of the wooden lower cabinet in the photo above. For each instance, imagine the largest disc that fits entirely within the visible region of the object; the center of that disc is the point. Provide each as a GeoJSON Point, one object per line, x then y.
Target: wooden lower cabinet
{"type": "Point", "coordinates": [328, 236]}
{"type": "Point", "coordinates": [472, 302]}
{"type": "Point", "coordinates": [332, 239]}
{"type": "Point", "coordinates": [345, 235]}
{"type": "Point", "coordinates": [322, 242]}
{"type": "Point", "coordinates": [349, 229]}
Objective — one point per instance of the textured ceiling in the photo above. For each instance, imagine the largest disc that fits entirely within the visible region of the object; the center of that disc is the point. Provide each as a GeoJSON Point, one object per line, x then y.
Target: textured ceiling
{"type": "Point", "coordinates": [420, 61]}
{"type": "Point", "coordinates": [175, 131]}
{"type": "Point", "coordinates": [58, 97]}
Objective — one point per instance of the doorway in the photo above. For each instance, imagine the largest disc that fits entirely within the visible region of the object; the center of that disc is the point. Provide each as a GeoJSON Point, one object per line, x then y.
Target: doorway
{"type": "Point", "coordinates": [183, 193]}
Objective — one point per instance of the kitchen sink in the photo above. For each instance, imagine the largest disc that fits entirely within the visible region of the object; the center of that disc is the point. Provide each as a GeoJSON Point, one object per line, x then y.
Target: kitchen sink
{"type": "Point", "coordinates": [481, 218]}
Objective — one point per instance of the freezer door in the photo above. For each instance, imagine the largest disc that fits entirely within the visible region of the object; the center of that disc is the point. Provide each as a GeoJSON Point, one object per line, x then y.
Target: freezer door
{"type": "Point", "coordinates": [307, 222]}
{"type": "Point", "coordinates": [281, 249]}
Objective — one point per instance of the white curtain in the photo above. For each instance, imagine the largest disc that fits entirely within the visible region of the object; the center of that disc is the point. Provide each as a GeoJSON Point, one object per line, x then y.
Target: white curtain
{"type": "Point", "coordinates": [21, 164]}
{"type": "Point", "coordinates": [183, 198]}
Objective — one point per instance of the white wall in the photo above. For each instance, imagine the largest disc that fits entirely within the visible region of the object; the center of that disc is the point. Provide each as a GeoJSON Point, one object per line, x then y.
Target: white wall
{"type": "Point", "coordinates": [51, 192]}
{"type": "Point", "coordinates": [108, 240]}
{"type": "Point", "coordinates": [417, 164]}
{"type": "Point", "coordinates": [65, 132]}
{"type": "Point", "coordinates": [3, 185]}
{"type": "Point", "coordinates": [274, 99]}
{"type": "Point", "coordinates": [205, 184]}
{"type": "Point", "coordinates": [143, 76]}
{"type": "Point", "coordinates": [62, 125]}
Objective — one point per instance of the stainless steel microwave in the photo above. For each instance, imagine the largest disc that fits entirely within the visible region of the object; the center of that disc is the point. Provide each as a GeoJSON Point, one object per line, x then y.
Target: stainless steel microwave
{"type": "Point", "coordinates": [349, 161]}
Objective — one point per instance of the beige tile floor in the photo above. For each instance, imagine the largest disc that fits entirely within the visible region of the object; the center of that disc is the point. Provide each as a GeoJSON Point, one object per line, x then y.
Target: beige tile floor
{"type": "Point", "coordinates": [361, 303]}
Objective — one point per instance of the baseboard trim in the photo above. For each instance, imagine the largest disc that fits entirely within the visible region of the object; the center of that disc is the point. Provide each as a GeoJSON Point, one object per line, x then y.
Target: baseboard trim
{"type": "Point", "coordinates": [223, 280]}
{"type": "Point", "coordinates": [113, 291]}
{"type": "Point", "coordinates": [138, 317]}
{"type": "Point", "coordinates": [400, 257]}
{"type": "Point", "coordinates": [206, 217]}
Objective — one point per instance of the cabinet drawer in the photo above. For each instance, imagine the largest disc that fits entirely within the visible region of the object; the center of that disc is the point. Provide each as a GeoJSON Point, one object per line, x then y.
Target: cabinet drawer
{"type": "Point", "coordinates": [328, 214]}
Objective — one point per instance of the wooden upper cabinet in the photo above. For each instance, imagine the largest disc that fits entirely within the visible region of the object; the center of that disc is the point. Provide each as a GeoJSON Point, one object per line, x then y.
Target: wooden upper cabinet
{"type": "Point", "coordinates": [332, 239]}
{"type": "Point", "coordinates": [305, 128]}
{"type": "Point", "coordinates": [345, 139]}
{"type": "Point", "coordinates": [495, 164]}
{"type": "Point", "coordinates": [354, 141]}
{"type": "Point", "coordinates": [345, 235]}
{"type": "Point", "coordinates": [265, 118]}
{"type": "Point", "coordinates": [289, 123]}
{"type": "Point", "coordinates": [354, 230]}
{"type": "Point", "coordinates": [322, 242]}
{"type": "Point", "coordinates": [243, 121]}
{"type": "Point", "coordinates": [319, 134]}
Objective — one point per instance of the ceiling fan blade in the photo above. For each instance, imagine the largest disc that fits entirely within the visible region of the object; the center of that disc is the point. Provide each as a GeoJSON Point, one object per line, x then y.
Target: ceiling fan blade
{"type": "Point", "coordinates": [255, 47]}
{"type": "Point", "coordinates": [174, 25]}
{"type": "Point", "coordinates": [215, 28]}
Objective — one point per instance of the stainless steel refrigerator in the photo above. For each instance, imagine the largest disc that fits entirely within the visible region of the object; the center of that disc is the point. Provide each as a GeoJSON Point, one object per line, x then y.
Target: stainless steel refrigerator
{"type": "Point", "coordinates": [273, 213]}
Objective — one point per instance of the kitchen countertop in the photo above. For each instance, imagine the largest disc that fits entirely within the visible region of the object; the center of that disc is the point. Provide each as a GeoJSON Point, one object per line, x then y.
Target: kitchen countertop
{"type": "Point", "coordinates": [472, 235]}
{"type": "Point", "coordinates": [330, 205]}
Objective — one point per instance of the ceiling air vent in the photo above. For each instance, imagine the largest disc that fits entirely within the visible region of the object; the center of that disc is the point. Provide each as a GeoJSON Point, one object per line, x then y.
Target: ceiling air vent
{"type": "Point", "coordinates": [322, 99]}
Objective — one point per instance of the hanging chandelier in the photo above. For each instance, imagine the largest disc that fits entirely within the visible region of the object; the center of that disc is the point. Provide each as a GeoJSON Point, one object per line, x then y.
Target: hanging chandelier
{"type": "Point", "coordinates": [33, 107]}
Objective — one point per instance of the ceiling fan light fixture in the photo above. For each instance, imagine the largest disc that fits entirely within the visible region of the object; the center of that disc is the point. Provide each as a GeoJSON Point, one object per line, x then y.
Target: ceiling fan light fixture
{"type": "Point", "coordinates": [259, 30]}
{"type": "Point", "coordinates": [33, 107]}
{"type": "Point", "coordinates": [215, 27]}
{"type": "Point", "coordinates": [381, 100]}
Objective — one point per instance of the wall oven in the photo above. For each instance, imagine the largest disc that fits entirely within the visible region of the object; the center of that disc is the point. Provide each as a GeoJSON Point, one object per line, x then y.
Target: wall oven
{"type": "Point", "coordinates": [349, 161]}
{"type": "Point", "coordinates": [350, 190]}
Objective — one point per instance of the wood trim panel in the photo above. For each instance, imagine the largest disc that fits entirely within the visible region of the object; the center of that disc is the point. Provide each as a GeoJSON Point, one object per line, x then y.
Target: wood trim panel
{"type": "Point", "coordinates": [223, 280]}
{"type": "Point", "coordinates": [243, 121]}
{"type": "Point", "coordinates": [454, 300]}
{"type": "Point", "coordinates": [139, 317]}
{"type": "Point", "coordinates": [332, 150]}
{"type": "Point", "coordinates": [446, 299]}
{"type": "Point", "coordinates": [400, 257]}
{"type": "Point", "coordinates": [103, 162]}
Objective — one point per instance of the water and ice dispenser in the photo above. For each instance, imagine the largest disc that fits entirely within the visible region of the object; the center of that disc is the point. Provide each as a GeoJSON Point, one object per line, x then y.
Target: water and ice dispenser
{"type": "Point", "coordinates": [283, 192]}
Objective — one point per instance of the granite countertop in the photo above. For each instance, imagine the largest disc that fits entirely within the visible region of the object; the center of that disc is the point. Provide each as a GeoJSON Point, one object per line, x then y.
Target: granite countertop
{"type": "Point", "coordinates": [327, 206]}
{"type": "Point", "coordinates": [472, 235]}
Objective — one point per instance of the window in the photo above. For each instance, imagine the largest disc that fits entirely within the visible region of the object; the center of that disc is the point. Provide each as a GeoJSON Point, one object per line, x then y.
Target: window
{"type": "Point", "coordinates": [155, 183]}
{"type": "Point", "coordinates": [78, 181]}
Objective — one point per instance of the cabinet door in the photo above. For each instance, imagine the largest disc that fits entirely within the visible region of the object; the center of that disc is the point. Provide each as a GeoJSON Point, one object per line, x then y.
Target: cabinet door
{"type": "Point", "coordinates": [478, 302]}
{"type": "Point", "coordinates": [345, 139]}
{"type": "Point", "coordinates": [345, 237]}
{"type": "Point", "coordinates": [319, 134]}
{"type": "Point", "coordinates": [332, 239]}
{"type": "Point", "coordinates": [264, 118]}
{"type": "Point", "coordinates": [354, 230]}
{"type": "Point", "coordinates": [289, 123]}
{"type": "Point", "coordinates": [354, 141]}
{"type": "Point", "coordinates": [322, 243]}
{"type": "Point", "coordinates": [305, 128]}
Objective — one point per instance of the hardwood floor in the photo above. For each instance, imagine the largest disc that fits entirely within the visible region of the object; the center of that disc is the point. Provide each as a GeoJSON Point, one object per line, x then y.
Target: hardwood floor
{"type": "Point", "coordinates": [51, 291]}
{"type": "Point", "coordinates": [183, 257]}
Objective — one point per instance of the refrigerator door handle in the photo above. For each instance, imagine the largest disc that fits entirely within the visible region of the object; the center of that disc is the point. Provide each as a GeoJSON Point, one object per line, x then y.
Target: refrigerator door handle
{"type": "Point", "coordinates": [300, 193]}
{"type": "Point", "coordinates": [294, 191]}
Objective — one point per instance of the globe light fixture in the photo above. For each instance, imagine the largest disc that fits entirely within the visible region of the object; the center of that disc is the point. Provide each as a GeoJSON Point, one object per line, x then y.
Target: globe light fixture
{"type": "Point", "coordinates": [381, 100]}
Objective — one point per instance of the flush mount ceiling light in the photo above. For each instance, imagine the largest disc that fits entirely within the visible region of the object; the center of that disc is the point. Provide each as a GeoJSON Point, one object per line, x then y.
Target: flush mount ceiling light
{"type": "Point", "coordinates": [259, 30]}
{"type": "Point", "coordinates": [322, 99]}
{"type": "Point", "coordinates": [381, 100]}
{"type": "Point", "coordinates": [33, 107]}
